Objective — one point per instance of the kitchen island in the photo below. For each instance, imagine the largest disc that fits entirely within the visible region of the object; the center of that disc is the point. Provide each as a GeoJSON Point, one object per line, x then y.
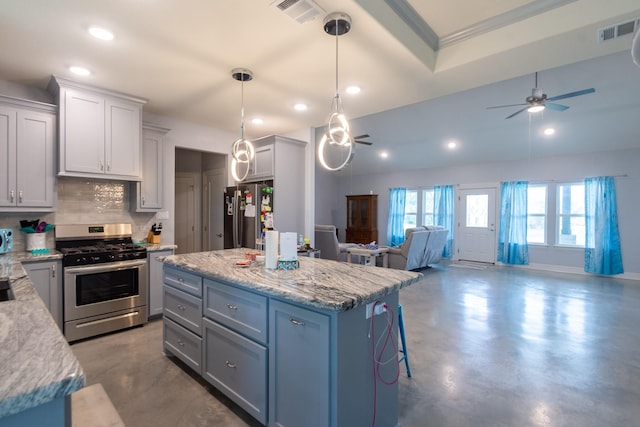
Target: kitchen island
{"type": "Point", "coordinates": [291, 347]}
{"type": "Point", "coordinates": [38, 371]}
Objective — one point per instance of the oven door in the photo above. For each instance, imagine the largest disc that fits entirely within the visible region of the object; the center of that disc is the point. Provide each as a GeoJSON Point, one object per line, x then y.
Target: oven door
{"type": "Point", "coordinates": [92, 290]}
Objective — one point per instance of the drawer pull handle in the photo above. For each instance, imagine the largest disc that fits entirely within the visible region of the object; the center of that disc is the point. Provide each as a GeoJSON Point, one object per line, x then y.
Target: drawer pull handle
{"type": "Point", "coordinates": [232, 307]}
{"type": "Point", "coordinates": [181, 307]}
{"type": "Point", "coordinates": [180, 343]}
{"type": "Point", "coordinates": [296, 322]}
{"type": "Point", "coordinates": [180, 279]}
{"type": "Point", "coordinates": [230, 365]}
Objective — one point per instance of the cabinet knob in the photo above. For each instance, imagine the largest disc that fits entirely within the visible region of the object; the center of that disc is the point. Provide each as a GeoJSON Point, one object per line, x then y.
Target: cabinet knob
{"type": "Point", "coordinates": [296, 322]}
{"type": "Point", "coordinates": [232, 307]}
{"type": "Point", "coordinates": [230, 365]}
{"type": "Point", "coordinates": [12, 196]}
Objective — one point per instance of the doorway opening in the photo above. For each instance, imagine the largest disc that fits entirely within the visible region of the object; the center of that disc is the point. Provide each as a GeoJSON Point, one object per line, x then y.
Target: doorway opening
{"type": "Point", "coordinates": [200, 179]}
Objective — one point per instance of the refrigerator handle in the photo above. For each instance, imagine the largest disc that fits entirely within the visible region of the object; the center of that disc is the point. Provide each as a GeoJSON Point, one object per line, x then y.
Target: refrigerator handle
{"type": "Point", "coordinates": [236, 214]}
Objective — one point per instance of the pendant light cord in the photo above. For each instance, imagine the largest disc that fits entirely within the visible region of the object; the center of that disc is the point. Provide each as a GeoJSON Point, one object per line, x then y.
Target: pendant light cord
{"type": "Point", "coordinates": [242, 108]}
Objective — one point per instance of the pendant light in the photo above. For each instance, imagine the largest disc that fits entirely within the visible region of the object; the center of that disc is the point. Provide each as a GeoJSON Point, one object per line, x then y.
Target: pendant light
{"type": "Point", "coordinates": [242, 151]}
{"type": "Point", "coordinates": [335, 150]}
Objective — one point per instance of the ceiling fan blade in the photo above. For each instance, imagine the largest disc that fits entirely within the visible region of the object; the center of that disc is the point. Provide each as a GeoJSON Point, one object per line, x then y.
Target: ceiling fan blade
{"type": "Point", "coordinates": [363, 142]}
{"type": "Point", "coordinates": [502, 106]}
{"type": "Point", "coordinates": [557, 107]}
{"type": "Point", "coordinates": [572, 94]}
{"type": "Point", "coordinates": [517, 112]}
{"type": "Point", "coordinates": [366, 135]}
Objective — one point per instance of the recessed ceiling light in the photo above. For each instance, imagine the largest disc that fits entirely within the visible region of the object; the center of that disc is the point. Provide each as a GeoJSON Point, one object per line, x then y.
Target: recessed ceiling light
{"type": "Point", "coordinates": [300, 107]}
{"type": "Point", "coordinates": [549, 131]}
{"type": "Point", "coordinates": [384, 154]}
{"type": "Point", "coordinates": [451, 145]}
{"type": "Point", "coordinates": [101, 33]}
{"type": "Point", "coordinates": [80, 71]}
{"type": "Point", "coordinates": [257, 121]}
{"type": "Point", "coordinates": [353, 90]}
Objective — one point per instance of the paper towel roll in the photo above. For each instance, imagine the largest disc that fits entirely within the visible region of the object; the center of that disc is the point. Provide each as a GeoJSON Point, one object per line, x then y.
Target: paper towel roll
{"type": "Point", "coordinates": [271, 249]}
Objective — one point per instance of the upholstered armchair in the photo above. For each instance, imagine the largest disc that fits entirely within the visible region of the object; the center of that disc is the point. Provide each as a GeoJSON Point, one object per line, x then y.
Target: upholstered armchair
{"type": "Point", "coordinates": [326, 240]}
{"type": "Point", "coordinates": [409, 255]}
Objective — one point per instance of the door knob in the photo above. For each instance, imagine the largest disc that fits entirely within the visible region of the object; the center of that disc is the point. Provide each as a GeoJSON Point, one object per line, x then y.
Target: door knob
{"type": "Point", "coordinates": [219, 235]}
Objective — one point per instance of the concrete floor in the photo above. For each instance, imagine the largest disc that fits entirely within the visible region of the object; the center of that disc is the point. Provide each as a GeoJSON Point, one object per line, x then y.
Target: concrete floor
{"type": "Point", "coordinates": [488, 347]}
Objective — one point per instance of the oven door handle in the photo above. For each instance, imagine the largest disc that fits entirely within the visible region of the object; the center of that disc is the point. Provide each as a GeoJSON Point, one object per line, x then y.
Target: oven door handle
{"type": "Point", "coordinates": [110, 266]}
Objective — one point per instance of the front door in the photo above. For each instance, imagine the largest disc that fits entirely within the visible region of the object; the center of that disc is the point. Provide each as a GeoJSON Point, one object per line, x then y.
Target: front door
{"type": "Point", "coordinates": [477, 225]}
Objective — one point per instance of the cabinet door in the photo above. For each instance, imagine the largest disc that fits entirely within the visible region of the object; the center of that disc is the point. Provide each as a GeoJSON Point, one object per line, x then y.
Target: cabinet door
{"type": "Point", "coordinates": [298, 366]}
{"type": "Point", "coordinates": [83, 133]}
{"type": "Point", "coordinates": [122, 139]}
{"type": "Point", "coordinates": [151, 188]}
{"type": "Point", "coordinates": [47, 280]}
{"type": "Point", "coordinates": [7, 156]}
{"type": "Point", "coordinates": [35, 159]}
{"type": "Point", "coordinates": [155, 281]}
{"type": "Point", "coordinates": [263, 162]}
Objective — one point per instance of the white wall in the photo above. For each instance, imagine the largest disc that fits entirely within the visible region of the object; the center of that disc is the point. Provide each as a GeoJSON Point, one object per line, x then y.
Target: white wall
{"type": "Point", "coordinates": [574, 168]}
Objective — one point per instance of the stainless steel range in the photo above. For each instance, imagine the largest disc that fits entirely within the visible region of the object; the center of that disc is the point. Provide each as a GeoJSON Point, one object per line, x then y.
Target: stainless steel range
{"type": "Point", "coordinates": [105, 279]}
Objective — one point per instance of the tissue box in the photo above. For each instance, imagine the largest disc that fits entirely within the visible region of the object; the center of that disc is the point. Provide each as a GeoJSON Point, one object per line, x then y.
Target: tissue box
{"type": "Point", "coordinates": [284, 264]}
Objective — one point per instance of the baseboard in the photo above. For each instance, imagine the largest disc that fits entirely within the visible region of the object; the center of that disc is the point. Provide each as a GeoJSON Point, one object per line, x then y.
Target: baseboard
{"type": "Point", "coordinates": [571, 270]}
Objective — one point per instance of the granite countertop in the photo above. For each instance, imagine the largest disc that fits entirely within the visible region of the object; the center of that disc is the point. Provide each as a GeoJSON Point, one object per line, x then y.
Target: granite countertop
{"type": "Point", "coordinates": [37, 364]}
{"type": "Point", "coordinates": [150, 247]}
{"type": "Point", "coordinates": [319, 283]}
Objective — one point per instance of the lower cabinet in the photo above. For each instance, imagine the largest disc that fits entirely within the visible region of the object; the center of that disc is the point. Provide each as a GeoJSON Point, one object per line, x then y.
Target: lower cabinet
{"type": "Point", "coordinates": [237, 367]}
{"type": "Point", "coordinates": [299, 366]}
{"type": "Point", "coordinates": [46, 277]}
{"type": "Point", "coordinates": [183, 344]}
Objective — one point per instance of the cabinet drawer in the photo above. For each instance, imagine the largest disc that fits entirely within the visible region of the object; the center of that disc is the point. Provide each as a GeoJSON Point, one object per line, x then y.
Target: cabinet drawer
{"type": "Point", "coordinates": [237, 367]}
{"type": "Point", "coordinates": [183, 308]}
{"type": "Point", "coordinates": [240, 310]}
{"type": "Point", "coordinates": [184, 281]}
{"type": "Point", "coordinates": [183, 344]}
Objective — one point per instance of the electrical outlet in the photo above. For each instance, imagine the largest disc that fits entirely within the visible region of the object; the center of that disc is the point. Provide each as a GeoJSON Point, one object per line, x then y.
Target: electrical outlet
{"type": "Point", "coordinates": [381, 307]}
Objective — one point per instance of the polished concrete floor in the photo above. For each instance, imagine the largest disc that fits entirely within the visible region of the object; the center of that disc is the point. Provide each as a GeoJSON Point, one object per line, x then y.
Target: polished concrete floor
{"type": "Point", "coordinates": [488, 347]}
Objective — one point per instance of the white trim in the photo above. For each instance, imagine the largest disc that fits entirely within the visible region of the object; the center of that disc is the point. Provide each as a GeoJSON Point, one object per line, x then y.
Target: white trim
{"type": "Point", "coordinates": [570, 270]}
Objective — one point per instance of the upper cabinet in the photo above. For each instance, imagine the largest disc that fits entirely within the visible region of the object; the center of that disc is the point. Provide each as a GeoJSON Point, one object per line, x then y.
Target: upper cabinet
{"type": "Point", "coordinates": [27, 162]}
{"type": "Point", "coordinates": [148, 193]}
{"type": "Point", "coordinates": [99, 131]}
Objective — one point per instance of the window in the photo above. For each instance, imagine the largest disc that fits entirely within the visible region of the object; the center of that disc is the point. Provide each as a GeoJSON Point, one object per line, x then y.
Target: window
{"type": "Point", "coordinates": [427, 207]}
{"type": "Point", "coordinates": [477, 211]}
{"type": "Point", "coordinates": [570, 215]}
{"type": "Point", "coordinates": [411, 209]}
{"type": "Point", "coordinates": [537, 214]}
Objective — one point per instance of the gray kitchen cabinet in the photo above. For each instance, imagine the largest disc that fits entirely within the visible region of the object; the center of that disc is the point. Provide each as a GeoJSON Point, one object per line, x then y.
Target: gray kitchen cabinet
{"type": "Point", "coordinates": [283, 160]}
{"type": "Point", "coordinates": [237, 366]}
{"type": "Point", "coordinates": [298, 348]}
{"type": "Point", "coordinates": [182, 320]}
{"type": "Point", "coordinates": [99, 131]}
{"type": "Point", "coordinates": [27, 168]}
{"type": "Point", "coordinates": [147, 195]}
{"type": "Point", "coordinates": [46, 277]}
{"type": "Point", "coordinates": [155, 303]}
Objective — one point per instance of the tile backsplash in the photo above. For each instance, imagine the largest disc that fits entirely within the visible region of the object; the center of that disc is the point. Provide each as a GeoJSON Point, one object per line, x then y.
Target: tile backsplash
{"type": "Point", "coordinates": [84, 201]}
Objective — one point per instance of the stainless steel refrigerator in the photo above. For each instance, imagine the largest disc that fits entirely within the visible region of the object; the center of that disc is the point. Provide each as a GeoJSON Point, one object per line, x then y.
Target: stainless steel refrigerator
{"type": "Point", "coordinates": [248, 210]}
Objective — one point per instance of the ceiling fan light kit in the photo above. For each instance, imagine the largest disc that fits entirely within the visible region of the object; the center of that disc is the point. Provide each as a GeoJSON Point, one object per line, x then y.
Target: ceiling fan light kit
{"type": "Point", "coordinates": [337, 138]}
{"type": "Point", "coordinates": [242, 151]}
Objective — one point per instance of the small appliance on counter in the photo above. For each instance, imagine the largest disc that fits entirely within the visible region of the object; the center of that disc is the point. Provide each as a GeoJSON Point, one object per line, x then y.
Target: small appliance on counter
{"type": "Point", "coordinates": [6, 240]}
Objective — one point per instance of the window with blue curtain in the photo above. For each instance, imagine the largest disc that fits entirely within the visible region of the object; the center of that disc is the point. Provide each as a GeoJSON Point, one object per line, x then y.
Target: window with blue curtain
{"type": "Point", "coordinates": [512, 237]}
{"type": "Point", "coordinates": [443, 214]}
{"type": "Point", "coordinates": [602, 254]}
{"type": "Point", "coordinates": [395, 226]}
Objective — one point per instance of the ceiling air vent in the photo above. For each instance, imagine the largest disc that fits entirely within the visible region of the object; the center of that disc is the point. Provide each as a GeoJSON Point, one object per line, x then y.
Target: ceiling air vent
{"type": "Point", "coordinates": [300, 10]}
{"type": "Point", "coordinates": [618, 30]}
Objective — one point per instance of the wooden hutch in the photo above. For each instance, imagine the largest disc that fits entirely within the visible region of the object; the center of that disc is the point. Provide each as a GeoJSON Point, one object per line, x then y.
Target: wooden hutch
{"type": "Point", "coordinates": [362, 218]}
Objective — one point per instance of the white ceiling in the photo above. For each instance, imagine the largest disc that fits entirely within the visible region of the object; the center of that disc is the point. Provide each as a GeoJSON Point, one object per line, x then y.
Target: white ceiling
{"type": "Point", "coordinates": [460, 56]}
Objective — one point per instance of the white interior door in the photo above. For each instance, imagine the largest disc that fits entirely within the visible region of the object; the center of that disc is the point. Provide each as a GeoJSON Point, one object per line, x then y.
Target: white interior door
{"type": "Point", "coordinates": [477, 225]}
{"type": "Point", "coordinates": [213, 197]}
{"type": "Point", "coordinates": [185, 213]}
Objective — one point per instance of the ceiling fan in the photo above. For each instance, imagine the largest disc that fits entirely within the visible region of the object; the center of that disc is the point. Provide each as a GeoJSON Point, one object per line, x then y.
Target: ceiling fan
{"type": "Point", "coordinates": [538, 101]}
{"type": "Point", "coordinates": [357, 139]}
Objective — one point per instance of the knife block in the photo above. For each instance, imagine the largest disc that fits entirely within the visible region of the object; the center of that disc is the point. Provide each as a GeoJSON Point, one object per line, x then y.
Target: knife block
{"type": "Point", "coordinates": [153, 238]}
